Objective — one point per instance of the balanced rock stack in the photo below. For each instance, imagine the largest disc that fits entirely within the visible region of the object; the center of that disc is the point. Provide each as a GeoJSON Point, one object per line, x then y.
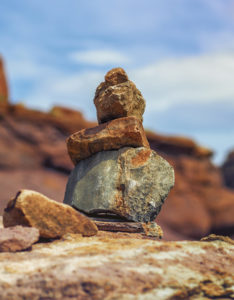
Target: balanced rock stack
{"type": "Point", "coordinates": [115, 171]}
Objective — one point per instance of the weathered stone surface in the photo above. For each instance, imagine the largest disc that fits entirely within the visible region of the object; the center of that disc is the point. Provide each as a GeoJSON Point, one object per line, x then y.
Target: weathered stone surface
{"type": "Point", "coordinates": [112, 135]}
{"type": "Point", "coordinates": [214, 237]}
{"type": "Point", "coordinates": [17, 238]}
{"type": "Point", "coordinates": [152, 229]}
{"type": "Point", "coordinates": [119, 266]}
{"type": "Point", "coordinates": [148, 229]}
{"type": "Point", "coordinates": [131, 182]}
{"type": "Point", "coordinates": [118, 97]}
{"type": "Point", "coordinates": [53, 219]}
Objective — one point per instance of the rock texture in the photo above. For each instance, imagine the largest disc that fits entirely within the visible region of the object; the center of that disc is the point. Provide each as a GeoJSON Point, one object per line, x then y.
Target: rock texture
{"type": "Point", "coordinates": [119, 266]}
{"type": "Point", "coordinates": [228, 170]}
{"type": "Point", "coordinates": [112, 135]}
{"type": "Point", "coordinates": [17, 238]}
{"type": "Point", "coordinates": [131, 182]}
{"type": "Point", "coordinates": [118, 97]}
{"type": "Point", "coordinates": [146, 229]}
{"type": "Point", "coordinates": [52, 219]}
{"type": "Point", "coordinates": [3, 84]}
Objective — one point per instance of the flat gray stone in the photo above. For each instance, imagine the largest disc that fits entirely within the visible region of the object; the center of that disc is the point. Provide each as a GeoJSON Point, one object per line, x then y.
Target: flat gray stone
{"type": "Point", "coordinates": [131, 182]}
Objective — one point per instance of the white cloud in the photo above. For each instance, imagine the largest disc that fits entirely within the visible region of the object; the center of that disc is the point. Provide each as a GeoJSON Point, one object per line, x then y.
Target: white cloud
{"type": "Point", "coordinates": [76, 90]}
{"type": "Point", "coordinates": [164, 84]}
{"type": "Point", "coordinates": [198, 79]}
{"type": "Point", "coordinates": [99, 57]}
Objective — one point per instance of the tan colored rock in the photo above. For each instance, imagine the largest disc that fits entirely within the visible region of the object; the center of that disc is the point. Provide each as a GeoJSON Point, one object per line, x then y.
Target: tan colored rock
{"type": "Point", "coordinates": [112, 135]}
{"type": "Point", "coordinates": [152, 229]}
{"type": "Point", "coordinates": [53, 219]}
{"type": "Point", "coordinates": [116, 76]}
{"type": "Point", "coordinates": [214, 237]}
{"type": "Point", "coordinates": [119, 266]}
{"type": "Point", "coordinates": [118, 97]}
{"type": "Point", "coordinates": [17, 238]}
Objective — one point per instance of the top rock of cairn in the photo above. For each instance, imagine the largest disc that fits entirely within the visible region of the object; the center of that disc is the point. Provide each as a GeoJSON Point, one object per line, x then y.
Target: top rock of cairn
{"type": "Point", "coordinates": [118, 97]}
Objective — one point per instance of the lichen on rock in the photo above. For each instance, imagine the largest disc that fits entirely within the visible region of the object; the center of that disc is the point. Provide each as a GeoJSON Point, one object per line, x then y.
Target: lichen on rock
{"type": "Point", "coordinates": [131, 182]}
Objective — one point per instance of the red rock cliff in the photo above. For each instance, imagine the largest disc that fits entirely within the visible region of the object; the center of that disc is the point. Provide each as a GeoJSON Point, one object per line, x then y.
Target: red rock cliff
{"type": "Point", "coordinates": [228, 170]}
{"type": "Point", "coordinates": [3, 84]}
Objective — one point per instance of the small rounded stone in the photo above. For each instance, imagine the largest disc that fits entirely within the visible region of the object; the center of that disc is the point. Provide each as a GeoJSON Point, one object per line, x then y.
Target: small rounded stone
{"type": "Point", "coordinates": [116, 76]}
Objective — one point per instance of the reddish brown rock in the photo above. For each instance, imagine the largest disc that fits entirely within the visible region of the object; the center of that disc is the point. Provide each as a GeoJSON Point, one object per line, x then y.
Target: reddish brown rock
{"type": "Point", "coordinates": [3, 84]}
{"type": "Point", "coordinates": [227, 170]}
{"type": "Point", "coordinates": [116, 76]}
{"type": "Point", "coordinates": [112, 135]}
{"type": "Point", "coordinates": [118, 97]}
{"type": "Point", "coordinates": [198, 200]}
{"type": "Point", "coordinates": [53, 219]}
{"type": "Point", "coordinates": [27, 158]}
{"type": "Point", "coordinates": [177, 145]}
{"type": "Point", "coordinates": [17, 238]}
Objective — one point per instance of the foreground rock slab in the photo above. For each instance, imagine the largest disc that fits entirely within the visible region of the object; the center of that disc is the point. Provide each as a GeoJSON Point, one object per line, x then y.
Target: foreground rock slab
{"type": "Point", "coordinates": [130, 182]}
{"type": "Point", "coordinates": [17, 238]}
{"type": "Point", "coordinates": [52, 219]}
{"type": "Point", "coordinates": [118, 97]}
{"type": "Point", "coordinates": [119, 266]}
{"type": "Point", "coordinates": [113, 135]}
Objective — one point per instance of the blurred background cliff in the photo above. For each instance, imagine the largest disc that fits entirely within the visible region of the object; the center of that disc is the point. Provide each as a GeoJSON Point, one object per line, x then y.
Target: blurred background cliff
{"type": "Point", "coordinates": [180, 54]}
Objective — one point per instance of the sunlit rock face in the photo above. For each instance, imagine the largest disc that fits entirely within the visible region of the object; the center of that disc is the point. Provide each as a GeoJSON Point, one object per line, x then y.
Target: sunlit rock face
{"type": "Point", "coordinates": [112, 135]}
{"type": "Point", "coordinates": [52, 219]}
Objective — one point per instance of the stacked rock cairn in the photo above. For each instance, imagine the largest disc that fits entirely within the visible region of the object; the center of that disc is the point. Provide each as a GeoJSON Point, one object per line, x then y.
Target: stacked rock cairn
{"type": "Point", "coordinates": [116, 173]}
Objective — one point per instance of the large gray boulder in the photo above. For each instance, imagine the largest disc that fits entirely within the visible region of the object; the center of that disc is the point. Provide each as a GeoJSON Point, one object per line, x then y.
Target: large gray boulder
{"type": "Point", "coordinates": [131, 182]}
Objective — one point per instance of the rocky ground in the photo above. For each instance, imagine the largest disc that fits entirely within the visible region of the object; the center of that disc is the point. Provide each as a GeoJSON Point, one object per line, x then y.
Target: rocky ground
{"type": "Point", "coordinates": [119, 266]}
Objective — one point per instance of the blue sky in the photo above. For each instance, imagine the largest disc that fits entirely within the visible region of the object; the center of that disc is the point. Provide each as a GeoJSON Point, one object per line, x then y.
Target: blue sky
{"type": "Point", "coordinates": [180, 54]}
